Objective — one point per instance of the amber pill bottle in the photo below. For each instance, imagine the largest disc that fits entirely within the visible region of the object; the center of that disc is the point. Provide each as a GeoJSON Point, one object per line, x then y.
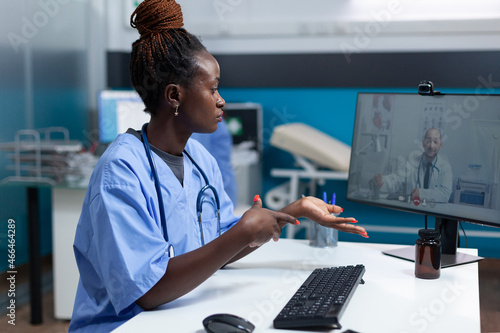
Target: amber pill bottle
{"type": "Point", "coordinates": [428, 254]}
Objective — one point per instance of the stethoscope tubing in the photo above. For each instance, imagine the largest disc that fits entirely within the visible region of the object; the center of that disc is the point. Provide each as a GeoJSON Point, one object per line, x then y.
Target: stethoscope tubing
{"type": "Point", "coordinates": [432, 168]}
{"type": "Point", "coordinates": [156, 181]}
{"type": "Point", "coordinates": [199, 199]}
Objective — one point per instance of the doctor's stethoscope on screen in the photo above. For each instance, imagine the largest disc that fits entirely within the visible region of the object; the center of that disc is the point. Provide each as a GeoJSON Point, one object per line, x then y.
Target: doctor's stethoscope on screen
{"type": "Point", "coordinates": [432, 167]}
{"type": "Point", "coordinates": [199, 201]}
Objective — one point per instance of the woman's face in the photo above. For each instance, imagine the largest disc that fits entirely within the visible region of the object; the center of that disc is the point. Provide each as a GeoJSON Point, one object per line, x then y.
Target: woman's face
{"type": "Point", "coordinates": [201, 105]}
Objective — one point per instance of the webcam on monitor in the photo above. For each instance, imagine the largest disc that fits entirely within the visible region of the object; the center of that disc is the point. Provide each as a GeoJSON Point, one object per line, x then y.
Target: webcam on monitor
{"type": "Point", "coordinates": [426, 88]}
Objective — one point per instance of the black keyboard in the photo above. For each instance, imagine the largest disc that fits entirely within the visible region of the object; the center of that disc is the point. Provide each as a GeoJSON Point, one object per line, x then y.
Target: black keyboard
{"type": "Point", "coordinates": [322, 298]}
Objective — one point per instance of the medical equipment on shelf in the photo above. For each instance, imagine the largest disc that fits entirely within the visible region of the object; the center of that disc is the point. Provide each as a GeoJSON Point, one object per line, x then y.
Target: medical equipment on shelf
{"type": "Point", "coordinates": [473, 193]}
{"type": "Point", "coordinates": [199, 200]}
{"type": "Point", "coordinates": [40, 158]}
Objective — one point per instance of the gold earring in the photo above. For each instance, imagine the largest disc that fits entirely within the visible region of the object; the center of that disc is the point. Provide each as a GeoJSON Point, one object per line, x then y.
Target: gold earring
{"type": "Point", "coordinates": [176, 111]}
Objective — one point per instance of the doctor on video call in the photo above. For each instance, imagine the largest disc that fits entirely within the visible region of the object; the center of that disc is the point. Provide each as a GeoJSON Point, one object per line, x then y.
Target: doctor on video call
{"type": "Point", "coordinates": [428, 175]}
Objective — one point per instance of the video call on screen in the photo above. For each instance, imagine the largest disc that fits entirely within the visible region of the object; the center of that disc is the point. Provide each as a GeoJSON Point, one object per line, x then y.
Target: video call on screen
{"type": "Point", "coordinates": [388, 141]}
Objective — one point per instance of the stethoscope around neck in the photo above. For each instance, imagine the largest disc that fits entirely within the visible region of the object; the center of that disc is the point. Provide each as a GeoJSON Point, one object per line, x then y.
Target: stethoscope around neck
{"type": "Point", "coordinates": [433, 166]}
{"type": "Point", "coordinates": [199, 200]}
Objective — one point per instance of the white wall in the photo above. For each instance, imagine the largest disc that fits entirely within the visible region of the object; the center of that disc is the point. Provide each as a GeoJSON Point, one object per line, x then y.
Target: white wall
{"type": "Point", "coordinates": [293, 26]}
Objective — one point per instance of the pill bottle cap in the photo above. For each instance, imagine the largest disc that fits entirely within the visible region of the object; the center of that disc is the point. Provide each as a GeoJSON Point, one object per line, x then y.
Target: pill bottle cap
{"type": "Point", "coordinates": [428, 233]}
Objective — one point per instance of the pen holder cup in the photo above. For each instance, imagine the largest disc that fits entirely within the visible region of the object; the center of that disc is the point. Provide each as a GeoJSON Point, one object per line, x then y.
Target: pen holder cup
{"type": "Point", "coordinates": [320, 236]}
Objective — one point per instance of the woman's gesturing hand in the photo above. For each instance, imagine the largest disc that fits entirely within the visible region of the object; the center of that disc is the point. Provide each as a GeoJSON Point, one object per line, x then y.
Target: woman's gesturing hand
{"type": "Point", "coordinates": [263, 224]}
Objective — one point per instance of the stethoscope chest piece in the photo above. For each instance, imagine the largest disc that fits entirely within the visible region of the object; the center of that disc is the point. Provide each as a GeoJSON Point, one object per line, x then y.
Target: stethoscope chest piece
{"type": "Point", "coordinates": [171, 252]}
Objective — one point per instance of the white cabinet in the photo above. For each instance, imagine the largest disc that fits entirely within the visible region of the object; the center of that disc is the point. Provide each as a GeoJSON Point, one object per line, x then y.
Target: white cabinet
{"type": "Point", "coordinates": [66, 209]}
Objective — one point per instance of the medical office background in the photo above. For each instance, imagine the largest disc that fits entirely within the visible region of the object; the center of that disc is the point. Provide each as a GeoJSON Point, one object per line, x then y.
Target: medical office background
{"type": "Point", "coordinates": [303, 61]}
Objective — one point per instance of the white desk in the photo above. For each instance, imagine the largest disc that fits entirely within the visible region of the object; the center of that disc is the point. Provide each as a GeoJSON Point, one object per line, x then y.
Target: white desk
{"type": "Point", "coordinates": [392, 299]}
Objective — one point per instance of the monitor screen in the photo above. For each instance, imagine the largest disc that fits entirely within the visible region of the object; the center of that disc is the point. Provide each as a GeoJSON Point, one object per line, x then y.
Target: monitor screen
{"type": "Point", "coordinates": [119, 110]}
{"type": "Point", "coordinates": [244, 121]}
{"type": "Point", "coordinates": [434, 155]}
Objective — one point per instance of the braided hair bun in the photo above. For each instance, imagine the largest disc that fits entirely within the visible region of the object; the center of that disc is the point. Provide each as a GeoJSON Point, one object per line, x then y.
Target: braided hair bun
{"type": "Point", "coordinates": [164, 53]}
{"type": "Point", "coordinates": [157, 16]}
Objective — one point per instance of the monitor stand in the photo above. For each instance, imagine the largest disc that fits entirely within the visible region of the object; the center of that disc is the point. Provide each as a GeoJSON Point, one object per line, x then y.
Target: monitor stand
{"type": "Point", "coordinates": [449, 243]}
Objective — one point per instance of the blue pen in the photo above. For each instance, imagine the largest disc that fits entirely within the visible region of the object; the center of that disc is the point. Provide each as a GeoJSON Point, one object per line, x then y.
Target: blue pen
{"type": "Point", "coordinates": [324, 197]}
{"type": "Point", "coordinates": [334, 198]}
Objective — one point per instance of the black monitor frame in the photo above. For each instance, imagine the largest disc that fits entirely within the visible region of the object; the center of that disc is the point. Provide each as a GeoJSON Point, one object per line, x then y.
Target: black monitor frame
{"type": "Point", "coordinates": [446, 224]}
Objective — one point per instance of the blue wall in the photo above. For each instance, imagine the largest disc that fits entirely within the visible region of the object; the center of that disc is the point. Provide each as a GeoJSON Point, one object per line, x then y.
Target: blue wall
{"type": "Point", "coordinates": [332, 111]}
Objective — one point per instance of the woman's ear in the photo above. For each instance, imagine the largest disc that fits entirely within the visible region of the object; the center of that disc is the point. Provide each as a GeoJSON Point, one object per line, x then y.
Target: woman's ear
{"type": "Point", "coordinates": [172, 95]}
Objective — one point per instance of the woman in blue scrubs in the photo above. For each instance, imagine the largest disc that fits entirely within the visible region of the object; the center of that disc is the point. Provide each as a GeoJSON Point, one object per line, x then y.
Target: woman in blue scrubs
{"type": "Point", "coordinates": [124, 256]}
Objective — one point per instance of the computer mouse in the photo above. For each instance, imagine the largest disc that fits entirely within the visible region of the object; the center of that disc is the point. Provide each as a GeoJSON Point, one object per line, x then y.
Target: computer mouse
{"type": "Point", "coordinates": [227, 323]}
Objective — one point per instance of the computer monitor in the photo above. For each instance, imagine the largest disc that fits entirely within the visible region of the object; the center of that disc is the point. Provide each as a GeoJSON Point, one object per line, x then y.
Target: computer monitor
{"type": "Point", "coordinates": [119, 110]}
{"type": "Point", "coordinates": [244, 121]}
{"type": "Point", "coordinates": [388, 160]}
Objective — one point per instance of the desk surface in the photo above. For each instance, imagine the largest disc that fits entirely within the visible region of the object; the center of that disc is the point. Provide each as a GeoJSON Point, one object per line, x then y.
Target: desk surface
{"type": "Point", "coordinates": [391, 300]}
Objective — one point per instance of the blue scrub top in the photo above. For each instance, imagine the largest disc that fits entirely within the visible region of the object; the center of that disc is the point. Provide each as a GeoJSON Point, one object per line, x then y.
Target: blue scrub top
{"type": "Point", "coordinates": [119, 245]}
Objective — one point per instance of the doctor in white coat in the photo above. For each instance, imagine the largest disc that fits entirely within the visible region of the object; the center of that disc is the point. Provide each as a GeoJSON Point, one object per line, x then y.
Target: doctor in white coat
{"type": "Point", "coordinates": [426, 176]}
